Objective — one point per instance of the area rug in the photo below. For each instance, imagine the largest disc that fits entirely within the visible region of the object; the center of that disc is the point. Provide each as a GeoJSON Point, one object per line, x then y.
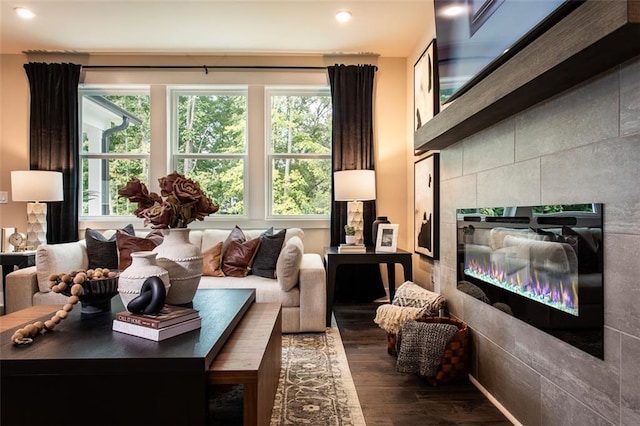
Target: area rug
{"type": "Point", "coordinates": [315, 386]}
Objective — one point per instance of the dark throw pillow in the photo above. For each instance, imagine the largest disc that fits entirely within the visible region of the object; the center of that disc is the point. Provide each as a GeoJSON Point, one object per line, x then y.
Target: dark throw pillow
{"type": "Point", "coordinates": [103, 252]}
{"type": "Point", "coordinates": [128, 244]}
{"type": "Point", "coordinates": [238, 257]}
{"type": "Point", "coordinates": [264, 264]}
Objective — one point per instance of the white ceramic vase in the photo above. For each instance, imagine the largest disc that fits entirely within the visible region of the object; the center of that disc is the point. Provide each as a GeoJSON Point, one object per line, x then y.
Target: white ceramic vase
{"type": "Point", "coordinates": [143, 265]}
{"type": "Point", "coordinates": [183, 262]}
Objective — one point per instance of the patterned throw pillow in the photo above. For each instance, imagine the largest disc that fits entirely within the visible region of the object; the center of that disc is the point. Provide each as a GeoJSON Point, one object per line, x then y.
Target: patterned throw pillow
{"type": "Point", "coordinates": [414, 296]}
{"type": "Point", "coordinates": [264, 264]}
{"type": "Point", "coordinates": [212, 261]}
{"type": "Point", "coordinates": [103, 252]}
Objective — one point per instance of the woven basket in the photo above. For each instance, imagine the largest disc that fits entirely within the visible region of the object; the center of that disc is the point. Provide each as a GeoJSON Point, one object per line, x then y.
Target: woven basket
{"type": "Point", "coordinates": [454, 362]}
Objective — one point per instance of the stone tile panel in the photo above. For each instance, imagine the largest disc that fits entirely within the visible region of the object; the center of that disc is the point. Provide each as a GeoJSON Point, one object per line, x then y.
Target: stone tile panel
{"type": "Point", "coordinates": [622, 282]}
{"type": "Point", "coordinates": [511, 382]}
{"type": "Point", "coordinates": [560, 408]}
{"type": "Point", "coordinates": [579, 117]}
{"type": "Point", "coordinates": [606, 172]}
{"type": "Point", "coordinates": [630, 97]}
{"type": "Point", "coordinates": [516, 184]}
{"type": "Point", "coordinates": [630, 378]}
{"type": "Point", "coordinates": [490, 148]}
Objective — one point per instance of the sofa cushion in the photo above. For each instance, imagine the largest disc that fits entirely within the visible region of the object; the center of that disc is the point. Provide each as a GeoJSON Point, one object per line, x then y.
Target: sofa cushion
{"type": "Point", "coordinates": [101, 251]}
{"type": "Point", "coordinates": [238, 257]}
{"type": "Point", "coordinates": [264, 264]}
{"type": "Point", "coordinates": [128, 244]}
{"type": "Point", "coordinates": [288, 264]}
{"type": "Point", "coordinates": [212, 261]}
{"type": "Point", "coordinates": [267, 290]}
{"type": "Point", "coordinates": [56, 258]}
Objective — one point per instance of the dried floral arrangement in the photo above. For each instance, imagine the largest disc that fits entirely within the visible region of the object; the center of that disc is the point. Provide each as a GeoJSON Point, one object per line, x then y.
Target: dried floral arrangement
{"type": "Point", "coordinates": [181, 201]}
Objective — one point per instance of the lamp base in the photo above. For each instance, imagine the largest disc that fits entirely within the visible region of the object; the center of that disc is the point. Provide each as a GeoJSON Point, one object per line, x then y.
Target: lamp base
{"type": "Point", "coordinates": [355, 219]}
{"type": "Point", "coordinates": [36, 225]}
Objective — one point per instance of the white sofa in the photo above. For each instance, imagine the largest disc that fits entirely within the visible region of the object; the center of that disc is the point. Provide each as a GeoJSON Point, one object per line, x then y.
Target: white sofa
{"type": "Point", "coordinates": [303, 307]}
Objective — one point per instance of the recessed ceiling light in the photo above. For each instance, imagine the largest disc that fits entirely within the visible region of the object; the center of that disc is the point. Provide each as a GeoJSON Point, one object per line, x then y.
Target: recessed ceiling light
{"type": "Point", "coordinates": [24, 13]}
{"type": "Point", "coordinates": [343, 16]}
{"type": "Point", "coordinates": [454, 10]}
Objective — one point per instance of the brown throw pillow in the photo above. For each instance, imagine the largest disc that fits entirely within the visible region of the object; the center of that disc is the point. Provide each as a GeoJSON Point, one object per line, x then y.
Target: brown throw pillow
{"type": "Point", "coordinates": [235, 235]}
{"type": "Point", "coordinates": [238, 257]}
{"type": "Point", "coordinates": [128, 244]}
{"type": "Point", "coordinates": [212, 261]}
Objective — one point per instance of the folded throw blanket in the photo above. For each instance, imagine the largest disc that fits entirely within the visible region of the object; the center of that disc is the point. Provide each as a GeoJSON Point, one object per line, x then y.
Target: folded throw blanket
{"type": "Point", "coordinates": [420, 346]}
{"type": "Point", "coordinates": [390, 317]}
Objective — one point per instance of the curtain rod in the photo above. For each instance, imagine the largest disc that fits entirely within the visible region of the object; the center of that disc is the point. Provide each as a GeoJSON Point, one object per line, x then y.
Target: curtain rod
{"type": "Point", "coordinates": [206, 68]}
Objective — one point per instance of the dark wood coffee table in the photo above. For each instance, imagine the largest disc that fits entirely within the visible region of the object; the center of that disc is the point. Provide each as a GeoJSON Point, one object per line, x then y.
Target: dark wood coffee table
{"type": "Point", "coordinates": [85, 373]}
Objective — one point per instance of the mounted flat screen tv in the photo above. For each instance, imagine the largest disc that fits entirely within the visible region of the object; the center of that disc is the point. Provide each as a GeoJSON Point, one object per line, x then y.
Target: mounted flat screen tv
{"type": "Point", "coordinates": [474, 37]}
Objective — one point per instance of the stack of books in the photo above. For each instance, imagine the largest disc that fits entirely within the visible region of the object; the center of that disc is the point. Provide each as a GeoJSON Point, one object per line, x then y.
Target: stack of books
{"type": "Point", "coordinates": [352, 248]}
{"type": "Point", "coordinates": [169, 322]}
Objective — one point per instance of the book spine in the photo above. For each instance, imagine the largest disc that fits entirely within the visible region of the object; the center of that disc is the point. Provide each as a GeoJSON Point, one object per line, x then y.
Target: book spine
{"type": "Point", "coordinates": [138, 321]}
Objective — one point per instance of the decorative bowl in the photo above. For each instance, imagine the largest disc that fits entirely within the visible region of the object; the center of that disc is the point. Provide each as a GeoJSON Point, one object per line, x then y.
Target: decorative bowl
{"type": "Point", "coordinates": [96, 295]}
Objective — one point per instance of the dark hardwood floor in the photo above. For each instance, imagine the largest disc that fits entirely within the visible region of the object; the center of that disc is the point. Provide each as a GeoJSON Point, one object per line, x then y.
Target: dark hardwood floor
{"type": "Point", "coordinates": [389, 398]}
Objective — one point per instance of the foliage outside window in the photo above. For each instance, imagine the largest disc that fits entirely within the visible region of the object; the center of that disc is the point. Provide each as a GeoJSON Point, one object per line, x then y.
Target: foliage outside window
{"type": "Point", "coordinates": [299, 152]}
{"type": "Point", "coordinates": [210, 140]}
{"type": "Point", "coordinates": [210, 147]}
{"type": "Point", "coordinates": [115, 146]}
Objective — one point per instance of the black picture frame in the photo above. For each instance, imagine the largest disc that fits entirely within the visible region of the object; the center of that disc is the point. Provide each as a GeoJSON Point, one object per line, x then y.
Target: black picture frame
{"type": "Point", "coordinates": [426, 211]}
{"type": "Point", "coordinates": [426, 89]}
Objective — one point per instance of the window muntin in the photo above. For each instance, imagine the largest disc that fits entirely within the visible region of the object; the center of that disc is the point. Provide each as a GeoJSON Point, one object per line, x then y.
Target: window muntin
{"type": "Point", "coordinates": [115, 146]}
{"type": "Point", "coordinates": [299, 152]}
{"type": "Point", "coordinates": [210, 143]}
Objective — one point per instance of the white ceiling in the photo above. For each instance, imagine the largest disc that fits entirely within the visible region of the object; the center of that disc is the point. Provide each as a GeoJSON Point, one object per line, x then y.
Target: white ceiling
{"type": "Point", "coordinates": [385, 27]}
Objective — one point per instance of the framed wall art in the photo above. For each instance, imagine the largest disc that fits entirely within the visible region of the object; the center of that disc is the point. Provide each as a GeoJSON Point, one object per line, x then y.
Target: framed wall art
{"type": "Point", "coordinates": [387, 237]}
{"type": "Point", "coordinates": [427, 206]}
{"type": "Point", "coordinates": [426, 99]}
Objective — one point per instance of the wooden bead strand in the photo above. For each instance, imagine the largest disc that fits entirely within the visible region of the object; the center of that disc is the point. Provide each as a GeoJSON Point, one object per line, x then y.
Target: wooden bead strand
{"type": "Point", "coordinates": [59, 283]}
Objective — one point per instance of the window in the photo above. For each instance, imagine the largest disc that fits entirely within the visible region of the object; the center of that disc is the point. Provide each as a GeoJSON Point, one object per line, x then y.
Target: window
{"type": "Point", "coordinates": [115, 146]}
{"type": "Point", "coordinates": [299, 152]}
{"type": "Point", "coordinates": [210, 143]}
{"type": "Point", "coordinates": [260, 151]}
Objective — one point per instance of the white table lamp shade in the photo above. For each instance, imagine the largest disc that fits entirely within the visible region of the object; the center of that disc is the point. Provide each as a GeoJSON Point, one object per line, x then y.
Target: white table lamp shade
{"type": "Point", "coordinates": [352, 185]}
{"type": "Point", "coordinates": [34, 186]}
{"type": "Point", "coordinates": [355, 186]}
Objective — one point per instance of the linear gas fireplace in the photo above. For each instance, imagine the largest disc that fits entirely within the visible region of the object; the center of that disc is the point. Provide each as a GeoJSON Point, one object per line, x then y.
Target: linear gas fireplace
{"type": "Point", "coordinates": [541, 264]}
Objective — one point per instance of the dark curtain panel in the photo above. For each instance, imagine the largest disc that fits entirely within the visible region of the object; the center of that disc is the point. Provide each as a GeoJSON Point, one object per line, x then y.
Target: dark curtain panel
{"type": "Point", "coordinates": [54, 143]}
{"type": "Point", "coordinates": [352, 139]}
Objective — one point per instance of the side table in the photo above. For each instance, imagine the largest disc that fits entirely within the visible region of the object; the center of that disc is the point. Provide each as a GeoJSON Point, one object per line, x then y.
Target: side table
{"type": "Point", "coordinates": [9, 261]}
{"type": "Point", "coordinates": [333, 259]}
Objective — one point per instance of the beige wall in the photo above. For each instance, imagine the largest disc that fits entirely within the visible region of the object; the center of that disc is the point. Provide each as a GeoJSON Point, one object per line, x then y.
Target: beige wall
{"type": "Point", "coordinates": [391, 139]}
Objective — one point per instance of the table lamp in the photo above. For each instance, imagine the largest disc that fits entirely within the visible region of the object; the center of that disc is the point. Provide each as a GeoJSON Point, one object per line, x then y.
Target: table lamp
{"type": "Point", "coordinates": [35, 186]}
{"type": "Point", "coordinates": [355, 186]}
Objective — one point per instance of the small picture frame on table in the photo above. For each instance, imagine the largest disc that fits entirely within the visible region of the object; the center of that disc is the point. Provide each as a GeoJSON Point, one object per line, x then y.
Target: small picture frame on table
{"type": "Point", "coordinates": [387, 239]}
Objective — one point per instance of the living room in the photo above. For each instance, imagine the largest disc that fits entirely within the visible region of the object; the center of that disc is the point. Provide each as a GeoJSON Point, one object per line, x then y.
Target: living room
{"type": "Point", "coordinates": [578, 145]}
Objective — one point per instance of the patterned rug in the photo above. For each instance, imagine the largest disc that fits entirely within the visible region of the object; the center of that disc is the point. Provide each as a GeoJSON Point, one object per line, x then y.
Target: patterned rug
{"type": "Point", "coordinates": [315, 387]}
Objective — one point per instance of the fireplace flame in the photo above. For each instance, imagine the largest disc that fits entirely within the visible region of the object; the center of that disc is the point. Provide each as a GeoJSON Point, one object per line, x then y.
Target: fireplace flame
{"type": "Point", "coordinates": [546, 287]}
